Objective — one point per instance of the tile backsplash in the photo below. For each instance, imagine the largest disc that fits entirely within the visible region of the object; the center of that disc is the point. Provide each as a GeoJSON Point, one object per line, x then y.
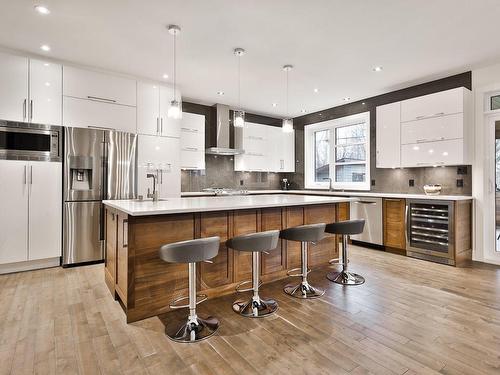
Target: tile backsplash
{"type": "Point", "coordinates": [220, 172]}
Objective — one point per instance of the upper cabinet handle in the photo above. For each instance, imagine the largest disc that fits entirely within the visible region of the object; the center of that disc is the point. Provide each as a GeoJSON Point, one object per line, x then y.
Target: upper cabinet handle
{"type": "Point", "coordinates": [101, 99]}
{"type": "Point", "coordinates": [31, 109]}
{"type": "Point", "coordinates": [24, 109]}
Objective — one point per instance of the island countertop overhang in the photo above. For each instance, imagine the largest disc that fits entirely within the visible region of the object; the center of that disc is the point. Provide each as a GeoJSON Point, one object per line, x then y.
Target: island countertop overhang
{"type": "Point", "coordinates": [134, 207]}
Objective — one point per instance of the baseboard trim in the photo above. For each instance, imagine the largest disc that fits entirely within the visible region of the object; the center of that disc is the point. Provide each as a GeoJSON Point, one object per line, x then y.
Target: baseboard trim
{"type": "Point", "coordinates": [30, 265]}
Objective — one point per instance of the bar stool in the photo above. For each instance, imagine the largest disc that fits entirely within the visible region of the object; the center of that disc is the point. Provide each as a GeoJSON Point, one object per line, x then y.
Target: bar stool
{"type": "Point", "coordinates": [304, 234]}
{"type": "Point", "coordinates": [257, 243]}
{"type": "Point", "coordinates": [191, 252]}
{"type": "Point", "coordinates": [345, 228]}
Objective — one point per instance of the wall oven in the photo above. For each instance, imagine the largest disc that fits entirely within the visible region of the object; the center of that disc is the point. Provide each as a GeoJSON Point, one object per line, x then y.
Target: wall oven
{"type": "Point", "coordinates": [26, 141]}
{"type": "Point", "coordinates": [430, 226]}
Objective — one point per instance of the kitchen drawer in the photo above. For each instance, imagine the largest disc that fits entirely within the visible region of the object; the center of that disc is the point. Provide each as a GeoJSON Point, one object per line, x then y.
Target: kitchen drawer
{"type": "Point", "coordinates": [449, 152]}
{"type": "Point", "coordinates": [192, 139]}
{"type": "Point", "coordinates": [394, 223]}
{"type": "Point", "coordinates": [83, 113]}
{"type": "Point", "coordinates": [438, 104]}
{"type": "Point", "coordinates": [86, 84]}
{"type": "Point", "coordinates": [192, 159]}
{"type": "Point", "coordinates": [433, 129]}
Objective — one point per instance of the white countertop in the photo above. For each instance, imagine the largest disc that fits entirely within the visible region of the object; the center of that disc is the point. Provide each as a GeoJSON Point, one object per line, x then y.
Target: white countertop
{"type": "Point", "coordinates": [347, 194]}
{"type": "Point", "coordinates": [221, 203]}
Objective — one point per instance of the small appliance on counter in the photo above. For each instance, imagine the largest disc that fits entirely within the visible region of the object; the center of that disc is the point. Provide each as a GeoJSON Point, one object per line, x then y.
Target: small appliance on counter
{"type": "Point", "coordinates": [285, 184]}
{"type": "Point", "coordinates": [432, 189]}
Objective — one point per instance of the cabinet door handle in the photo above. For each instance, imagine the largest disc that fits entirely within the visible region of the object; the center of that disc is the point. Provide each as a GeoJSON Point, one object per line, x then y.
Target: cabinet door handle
{"type": "Point", "coordinates": [25, 174]}
{"type": "Point", "coordinates": [31, 109]}
{"type": "Point", "coordinates": [189, 130]}
{"type": "Point", "coordinates": [24, 108]}
{"type": "Point", "coordinates": [439, 114]}
{"type": "Point", "coordinates": [190, 149]}
{"type": "Point", "coordinates": [393, 199]}
{"type": "Point", "coordinates": [125, 233]}
{"type": "Point", "coordinates": [101, 99]}
{"type": "Point", "coordinates": [157, 125]}
{"type": "Point", "coordinates": [161, 126]}
{"type": "Point", "coordinates": [31, 175]}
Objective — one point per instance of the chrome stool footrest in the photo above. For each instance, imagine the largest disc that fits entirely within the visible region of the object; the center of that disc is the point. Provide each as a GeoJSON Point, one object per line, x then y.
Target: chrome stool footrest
{"type": "Point", "coordinates": [173, 306]}
{"type": "Point", "coordinates": [290, 274]}
{"type": "Point", "coordinates": [255, 307]}
{"type": "Point", "coordinates": [238, 287]}
{"type": "Point", "coordinates": [193, 330]}
{"type": "Point", "coordinates": [334, 261]}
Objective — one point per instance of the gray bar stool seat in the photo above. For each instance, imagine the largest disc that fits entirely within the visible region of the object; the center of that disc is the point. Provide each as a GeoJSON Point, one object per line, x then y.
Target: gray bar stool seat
{"type": "Point", "coordinates": [191, 252]}
{"type": "Point", "coordinates": [303, 234]}
{"type": "Point", "coordinates": [345, 229]}
{"type": "Point", "coordinates": [261, 242]}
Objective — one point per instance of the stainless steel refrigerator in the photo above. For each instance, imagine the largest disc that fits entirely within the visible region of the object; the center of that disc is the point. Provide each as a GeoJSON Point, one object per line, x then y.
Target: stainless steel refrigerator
{"type": "Point", "coordinates": [98, 165]}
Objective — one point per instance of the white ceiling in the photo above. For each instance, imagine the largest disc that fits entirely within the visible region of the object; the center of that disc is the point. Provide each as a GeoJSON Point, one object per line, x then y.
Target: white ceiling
{"type": "Point", "coordinates": [333, 44]}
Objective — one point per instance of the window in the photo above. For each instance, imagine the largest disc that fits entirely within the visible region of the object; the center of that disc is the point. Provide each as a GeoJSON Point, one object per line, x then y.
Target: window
{"type": "Point", "coordinates": [338, 149]}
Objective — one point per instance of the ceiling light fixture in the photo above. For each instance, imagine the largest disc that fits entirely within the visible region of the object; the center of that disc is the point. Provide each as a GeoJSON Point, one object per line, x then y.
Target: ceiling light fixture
{"type": "Point", "coordinates": [45, 48]}
{"type": "Point", "coordinates": [165, 76]}
{"type": "Point", "coordinates": [287, 124]}
{"type": "Point", "coordinates": [377, 68]}
{"type": "Point", "coordinates": [175, 110]}
{"type": "Point", "coordinates": [347, 98]}
{"type": "Point", "coordinates": [303, 110]}
{"type": "Point", "coordinates": [275, 104]}
{"type": "Point", "coordinates": [239, 114]}
{"type": "Point", "coordinates": [220, 93]}
{"type": "Point", "coordinates": [316, 91]}
{"type": "Point", "coordinates": [42, 9]}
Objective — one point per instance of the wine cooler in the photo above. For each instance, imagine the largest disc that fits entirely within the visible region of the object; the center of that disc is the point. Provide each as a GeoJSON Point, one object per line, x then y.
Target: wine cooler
{"type": "Point", "coordinates": [430, 230]}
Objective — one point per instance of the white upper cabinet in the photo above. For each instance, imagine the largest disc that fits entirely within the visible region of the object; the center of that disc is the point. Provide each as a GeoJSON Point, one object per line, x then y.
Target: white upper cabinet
{"type": "Point", "coordinates": [267, 149]}
{"type": "Point", "coordinates": [148, 108]}
{"type": "Point", "coordinates": [83, 113]}
{"type": "Point", "coordinates": [433, 105]}
{"type": "Point", "coordinates": [86, 84]}
{"type": "Point", "coordinates": [160, 154]}
{"type": "Point", "coordinates": [13, 87]}
{"type": "Point", "coordinates": [153, 102]}
{"type": "Point", "coordinates": [192, 141]}
{"type": "Point", "coordinates": [45, 106]}
{"type": "Point", "coordinates": [388, 120]}
{"type": "Point", "coordinates": [433, 130]}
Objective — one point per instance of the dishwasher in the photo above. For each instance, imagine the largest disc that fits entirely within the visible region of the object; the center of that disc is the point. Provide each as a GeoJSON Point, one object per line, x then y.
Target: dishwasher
{"type": "Point", "coordinates": [369, 209]}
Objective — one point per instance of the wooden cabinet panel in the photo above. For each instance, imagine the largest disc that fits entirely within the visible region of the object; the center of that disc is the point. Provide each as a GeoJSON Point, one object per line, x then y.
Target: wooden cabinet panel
{"type": "Point", "coordinates": [110, 256]}
{"type": "Point", "coordinates": [325, 250]}
{"type": "Point", "coordinates": [275, 261]}
{"type": "Point", "coordinates": [122, 257]}
{"type": "Point", "coordinates": [220, 272]}
{"type": "Point", "coordinates": [394, 223]}
{"type": "Point", "coordinates": [293, 216]}
{"type": "Point", "coordinates": [244, 222]}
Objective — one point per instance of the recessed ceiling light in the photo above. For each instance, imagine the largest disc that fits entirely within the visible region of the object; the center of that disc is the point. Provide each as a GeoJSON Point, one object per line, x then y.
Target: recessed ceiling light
{"type": "Point", "coordinates": [346, 99]}
{"type": "Point", "coordinates": [316, 90]}
{"type": "Point", "coordinates": [42, 9]}
{"type": "Point", "coordinates": [377, 68]}
{"type": "Point", "coordinates": [220, 93]}
{"type": "Point", "coordinates": [363, 103]}
{"type": "Point", "coordinates": [303, 110]}
{"type": "Point", "coordinates": [46, 64]}
{"type": "Point", "coordinates": [165, 76]}
{"type": "Point", "coordinates": [47, 84]}
{"type": "Point", "coordinates": [275, 104]}
{"type": "Point", "coordinates": [45, 48]}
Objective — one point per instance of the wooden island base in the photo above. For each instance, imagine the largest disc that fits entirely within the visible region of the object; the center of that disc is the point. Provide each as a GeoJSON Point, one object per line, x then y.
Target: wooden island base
{"type": "Point", "coordinates": [145, 285]}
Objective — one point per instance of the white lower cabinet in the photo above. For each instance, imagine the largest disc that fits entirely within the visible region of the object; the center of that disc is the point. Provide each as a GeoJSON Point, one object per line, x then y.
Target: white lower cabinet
{"type": "Point", "coordinates": [159, 155]}
{"type": "Point", "coordinates": [31, 216]}
{"type": "Point", "coordinates": [426, 154]}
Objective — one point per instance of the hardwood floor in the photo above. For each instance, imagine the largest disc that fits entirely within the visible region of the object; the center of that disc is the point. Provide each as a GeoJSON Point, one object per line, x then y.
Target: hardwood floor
{"type": "Point", "coordinates": [410, 317]}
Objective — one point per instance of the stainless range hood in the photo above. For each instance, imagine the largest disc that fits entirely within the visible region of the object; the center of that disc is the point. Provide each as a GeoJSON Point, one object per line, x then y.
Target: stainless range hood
{"type": "Point", "coordinates": [222, 145]}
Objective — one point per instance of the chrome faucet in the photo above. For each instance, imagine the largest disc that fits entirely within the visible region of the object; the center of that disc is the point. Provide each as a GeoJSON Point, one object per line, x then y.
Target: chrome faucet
{"type": "Point", "coordinates": [154, 194]}
{"type": "Point", "coordinates": [330, 179]}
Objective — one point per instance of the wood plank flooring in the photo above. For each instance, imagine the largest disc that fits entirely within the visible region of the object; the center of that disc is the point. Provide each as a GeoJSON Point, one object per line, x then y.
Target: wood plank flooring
{"type": "Point", "coordinates": [410, 317]}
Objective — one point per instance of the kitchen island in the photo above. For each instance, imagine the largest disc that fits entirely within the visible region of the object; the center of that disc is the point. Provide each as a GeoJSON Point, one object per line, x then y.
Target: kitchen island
{"type": "Point", "coordinates": [135, 230]}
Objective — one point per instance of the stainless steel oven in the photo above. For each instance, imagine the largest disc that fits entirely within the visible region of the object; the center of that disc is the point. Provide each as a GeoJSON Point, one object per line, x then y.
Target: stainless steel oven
{"type": "Point", "coordinates": [25, 141]}
{"type": "Point", "coordinates": [430, 227]}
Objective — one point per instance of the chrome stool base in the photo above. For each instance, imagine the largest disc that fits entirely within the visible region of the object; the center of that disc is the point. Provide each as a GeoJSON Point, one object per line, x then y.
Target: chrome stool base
{"type": "Point", "coordinates": [193, 330]}
{"type": "Point", "coordinates": [255, 308]}
{"type": "Point", "coordinates": [303, 290]}
{"type": "Point", "coordinates": [345, 278]}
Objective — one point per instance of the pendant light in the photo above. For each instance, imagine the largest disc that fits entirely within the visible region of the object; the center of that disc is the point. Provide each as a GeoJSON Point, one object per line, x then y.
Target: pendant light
{"type": "Point", "coordinates": [175, 110]}
{"type": "Point", "coordinates": [287, 124]}
{"type": "Point", "coordinates": [239, 114]}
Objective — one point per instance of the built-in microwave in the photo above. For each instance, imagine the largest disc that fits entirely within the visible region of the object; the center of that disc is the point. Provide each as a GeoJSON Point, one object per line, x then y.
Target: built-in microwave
{"type": "Point", "coordinates": [26, 141]}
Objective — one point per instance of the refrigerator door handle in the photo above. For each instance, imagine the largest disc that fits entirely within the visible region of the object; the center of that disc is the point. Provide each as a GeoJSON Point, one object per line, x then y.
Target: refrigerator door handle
{"type": "Point", "coordinates": [31, 175]}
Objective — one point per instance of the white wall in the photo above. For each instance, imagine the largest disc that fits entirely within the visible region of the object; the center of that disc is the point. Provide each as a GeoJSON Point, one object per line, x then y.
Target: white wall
{"type": "Point", "coordinates": [484, 81]}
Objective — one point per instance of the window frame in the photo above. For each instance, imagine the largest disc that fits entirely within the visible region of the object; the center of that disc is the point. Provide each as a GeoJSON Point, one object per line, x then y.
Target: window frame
{"type": "Point", "coordinates": [309, 153]}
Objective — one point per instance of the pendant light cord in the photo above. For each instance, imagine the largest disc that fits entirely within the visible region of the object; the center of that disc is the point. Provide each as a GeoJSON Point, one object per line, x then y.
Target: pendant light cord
{"type": "Point", "coordinates": [287, 112]}
{"type": "Point", "coordinates": [175, 65]}
{"type": "Point", "coordinates": [239, 83]}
